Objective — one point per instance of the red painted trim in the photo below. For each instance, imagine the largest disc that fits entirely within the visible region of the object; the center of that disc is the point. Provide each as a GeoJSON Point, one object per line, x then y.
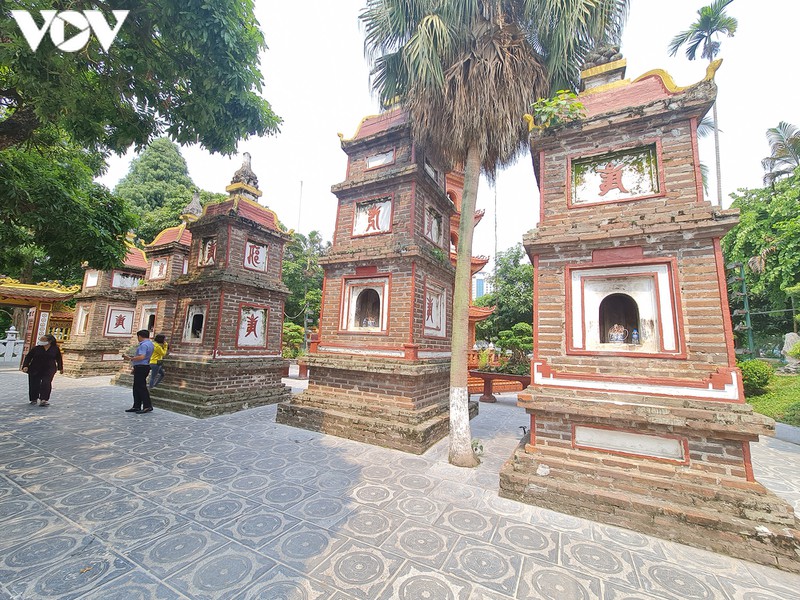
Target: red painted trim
{"type": "Point", "coordinates": [360, 346]}
{"type": "Point", "coordinates": [716, 380]}
{"type": "Point", "coordinates": [321, 310]}
{"type": "Point", "coordinates": [607, 256]}
{"type": "Point", "coordinates": [366, 161]}
{"type": "Point", "coordinates": [205, 321]}
{"type": "Point", "coordinates": [541, 186]}
{"type": "Point", "coordinates": [425, 226]}
{"type": "Point", "coordinates": [748, 462]}
{"type": "Point", "coordinates": [390, 197]}
{"type": "Point", "coordinates": [216, 252]}
{"type": "Point", "coordinates": [722, 285]}
{"type": "Point", "coordinates": [662, 190]}
{"type": "Point", "coordinates": [413, 303]}
{"type": "Point", "coordinates": [106, 322]}
{"type": "Point", "coordinates": [166, 268]}
{"type": "Point", "coordinates": [266, 247]}
{"type": "Point", "coordinates": [698, 175]}
{"type": "Point", "coordinates": [533, 429]}
{"type": "Point", "coordinates": [535, 306]}
{"type": "Point", "coordinates": [219, 323]}
{"type": "Point", "coordinates": [683, 440]}
{"type": "Point", "coordinates": [239, 323]}
{"type": "Point", "coordinates": [680, 352]}
{"type": "Point", "coordinates": [344, 305]}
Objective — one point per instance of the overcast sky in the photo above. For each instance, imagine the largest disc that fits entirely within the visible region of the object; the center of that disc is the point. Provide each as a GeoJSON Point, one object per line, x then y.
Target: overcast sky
{"type": "Point", "coordinates": [317, 80]}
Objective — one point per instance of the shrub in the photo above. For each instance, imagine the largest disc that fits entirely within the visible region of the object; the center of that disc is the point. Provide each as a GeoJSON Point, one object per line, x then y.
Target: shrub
{"type": "Point", "coordinates": [792, 415]}
{"type": "Point", "coordinates": [756, 375]}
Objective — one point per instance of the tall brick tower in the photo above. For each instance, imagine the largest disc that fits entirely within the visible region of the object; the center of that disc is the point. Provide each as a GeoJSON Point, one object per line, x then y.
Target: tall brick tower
{"type": "Point", "coordinates": [225, 350]}
{"type": "Point", "coordinates": [379, 372]}
{"type": "Point", "coordinates": [637, 414]}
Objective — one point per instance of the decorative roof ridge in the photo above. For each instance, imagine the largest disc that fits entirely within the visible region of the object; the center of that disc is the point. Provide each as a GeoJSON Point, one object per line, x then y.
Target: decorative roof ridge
{"type": "Point", "coordinates": [42, 285]}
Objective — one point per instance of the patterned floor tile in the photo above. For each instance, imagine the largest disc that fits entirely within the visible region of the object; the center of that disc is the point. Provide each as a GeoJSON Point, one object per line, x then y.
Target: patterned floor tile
{"type": "Point", "coordinates": [83, 501]}
{"type": "Point", "coordinates": [611, 536]}
{"type": "Point", "coordinates": [248, 483]}
{"type": "Point", "coordinates": [59, 486]}
{"type": "Point", "coordinates": [457, 493]}
{"type": "Point", "coordinates": [336, 483]}
{"type": "Point", "coordinates": [358, 570]}
{"type": "Point", "coordinates": [46, 473]}
{"type": "Point", "coordinates": [283, 583]}
{"type": "Point", "coordinates": [13, 505]}
{"type": "Point", "coordinates": [136, 473]}
{"type": "Point", "coordinates": [743, 590]}
{"type": "Point", "coordinates": [378, 495]}
{"type": "Point", "coordinates": [415, 582]}
{"type": "Point", "coordinates": [186, 494]}
{"type": "Point", "coordinates": [486, 565]}
{"type": "Point", "coordinates": [38, 553]}
{"type": "Point", "coordinates": [421, 543]}
{"type": "Point", "coordinates": [72, 576]}
{"type": "Point", "coordinates": [538, 542]}
{"type": "Point", "coordinates": [322, 510]}
{"type": "Point", "coordinates": [27, 525]}
{"type": "Point", "coordinates": [115, 508]}
{"type": "Point", "coordinates": [221, 574]}
{"type": "Point", "coordinates": [134, 585]}
{"type": "Point", "coordinates": [468, 522]}
{"type": "Point", "coordinates": [672, 581]}
{"type": "Point", "coordinates": [369, 525]}
{"type": "Point", "coordinates": [304, 547]}
{"type": "Point", "coordinates": [550, 582]}
{"type": "Point", "coordinates": [562, 522]}
{"type": "Point", "coordinates": [298, 472]}
{"type": "Point", "coordinates": [614, 591]}
{"type": "Point", "coordinates": [417, 507]}
{"type": "Point", "coordinates": [611, 564]}
{"type": "Point", "coordinates": [258, 526]}
{"type": "Point", "coordinates": [416, 482]}
{"type": "Point", "coordinates": [140, 529]}
{"type": "Point", "coordinates": [219, 509]}
{"type": "Point", "coordinates": [176, 549]}
{"type": "Point", "coordinates": [283, 495]}
{"type": "Point", "coordinates": [193, 461]}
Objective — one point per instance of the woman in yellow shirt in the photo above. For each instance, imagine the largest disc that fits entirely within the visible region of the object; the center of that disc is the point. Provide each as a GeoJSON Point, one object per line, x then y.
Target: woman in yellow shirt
{"type": "Point", "coordinates": [159, 352]}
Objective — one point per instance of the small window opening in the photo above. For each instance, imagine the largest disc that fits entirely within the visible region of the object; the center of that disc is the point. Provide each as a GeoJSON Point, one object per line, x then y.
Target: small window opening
{"type": "Point", "coordinates": [368, 309]}
{"type": "Point", "coordinates": [197, 326]}
{"type": "Point", "coordinates": [619, 313]}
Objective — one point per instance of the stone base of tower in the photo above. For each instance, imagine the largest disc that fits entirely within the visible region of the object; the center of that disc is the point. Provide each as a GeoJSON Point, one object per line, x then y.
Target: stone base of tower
{"type": "Point", "coordinates": [392, 403]}
{"type": "Point", "coordinates": [599, 460]}
{"type": "Point", "coordinates": [95, 358]}
{"type": "Point", "coordinates": [206, 388]}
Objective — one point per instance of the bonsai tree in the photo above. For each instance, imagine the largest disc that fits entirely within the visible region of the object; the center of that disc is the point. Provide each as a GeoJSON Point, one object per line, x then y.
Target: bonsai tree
{"type": "Point", "coordinates": [519, 341]}
{"type": "Point", "coordinates": [292, 340]}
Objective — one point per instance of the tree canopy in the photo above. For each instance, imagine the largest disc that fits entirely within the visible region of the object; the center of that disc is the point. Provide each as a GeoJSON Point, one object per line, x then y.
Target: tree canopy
{"type": "Point", "coordinates": [158, 187]}
{"type": "Point", "coordinates": [512, 294]}
{"type": "Point", "coordinates": [303, 275]}
{"type": "Point", "coordinates": [54, 215]}
{"type": "Point", "coordinates": [185, 68]}
{"type": "Point", "coordinates": [784, 147]}
{"type": "Point", "coordinates": [767, 239]}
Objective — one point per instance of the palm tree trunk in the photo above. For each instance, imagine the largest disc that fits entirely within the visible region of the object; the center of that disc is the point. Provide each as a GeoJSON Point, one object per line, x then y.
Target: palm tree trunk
{"type": "Point", "coordinates": [461, 453]}
{"type": "Point", "coordinates": [716, 148]}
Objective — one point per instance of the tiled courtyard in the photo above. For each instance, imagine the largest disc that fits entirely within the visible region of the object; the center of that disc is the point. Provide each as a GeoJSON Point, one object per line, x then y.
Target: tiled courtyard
{"type": "Point", "coordinates": [102, 504]}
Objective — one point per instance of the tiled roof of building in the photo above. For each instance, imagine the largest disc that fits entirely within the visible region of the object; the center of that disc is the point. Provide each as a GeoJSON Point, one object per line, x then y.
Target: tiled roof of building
{"type": "Point", "coordinates": [135, 259]}
{"type": "Point", "coordinates": [11, 289]}
{"type": "Point", "coordinates": [178, 234]}
{"type": "Point", "coordinates": [374, 124]}
{"type": "Point", "coordinates": [246, 209]}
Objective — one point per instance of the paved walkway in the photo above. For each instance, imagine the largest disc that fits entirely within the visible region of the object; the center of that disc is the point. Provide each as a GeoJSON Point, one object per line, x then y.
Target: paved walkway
{"type": "Point", "coordinates": [98, 504]}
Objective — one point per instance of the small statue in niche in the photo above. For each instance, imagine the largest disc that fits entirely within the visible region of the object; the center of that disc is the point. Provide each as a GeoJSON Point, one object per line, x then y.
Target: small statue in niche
{"type": "Point", "coordinates": [617, 334]}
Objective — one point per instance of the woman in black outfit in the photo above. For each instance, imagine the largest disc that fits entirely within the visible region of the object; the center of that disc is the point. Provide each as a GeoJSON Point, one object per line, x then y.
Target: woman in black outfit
{"type": "Point", "coordinates": [41, 365]}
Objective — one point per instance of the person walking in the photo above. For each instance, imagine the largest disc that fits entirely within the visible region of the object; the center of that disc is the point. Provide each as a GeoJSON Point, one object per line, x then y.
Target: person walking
{"type": "Point", "coordinates": [140, 361]}
{"type": "Point", "coordinates": [160, 351]}
{"type": "Point", "coordinates": [41, 364]}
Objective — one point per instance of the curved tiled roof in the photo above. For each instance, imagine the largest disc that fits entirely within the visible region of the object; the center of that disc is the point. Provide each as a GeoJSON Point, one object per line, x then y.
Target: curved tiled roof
{"type": "Point", "coordinates": [179, 234]}
{"type": "Point", "coordinates": [479, 313]}
{"type": "Point", "coordinates": [135, 259]}
{"type": "Point", "coordinates": [378, 123]}
{"type": "Point", "coordinates": [245, 208]}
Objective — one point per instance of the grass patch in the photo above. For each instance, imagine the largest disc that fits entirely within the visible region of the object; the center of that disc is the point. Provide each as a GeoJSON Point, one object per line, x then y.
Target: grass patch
{"type": "Point", "coordinates": [781, 401]}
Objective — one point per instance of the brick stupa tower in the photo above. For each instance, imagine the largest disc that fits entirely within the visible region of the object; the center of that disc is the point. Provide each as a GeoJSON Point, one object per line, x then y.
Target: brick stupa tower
{"type": "Point", "coordinates": [379, 372]}
{"type": "Point", "coordinates": [104, 318]}
{"type": "Point", "coordinates": [225, 341]}
{"type": "Point", "coordinates": [637, 414]}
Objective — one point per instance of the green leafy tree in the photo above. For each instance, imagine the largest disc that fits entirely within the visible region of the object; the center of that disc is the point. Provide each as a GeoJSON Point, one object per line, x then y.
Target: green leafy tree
{"type": "Point", "coordinates": [784, 147]}
{"type": "Point", "coordinates": [512, 294]}
{"type": "Point", "coordinates": [292, 340]}
{"type": "Point", "coordinates": [185, 68]}
{"type": "Point", "coordinates": [703, 35]}
{"type": "Point", "coordinates": [158, 187]}
{"type": "Point", "coordinates": [767, 241]}
{"type": "Point", "coordinates": [467, 72]}
{"type": "Point", "coordinates": [54, 215]}
{"type": "Point", "coordinates": [303, 275]}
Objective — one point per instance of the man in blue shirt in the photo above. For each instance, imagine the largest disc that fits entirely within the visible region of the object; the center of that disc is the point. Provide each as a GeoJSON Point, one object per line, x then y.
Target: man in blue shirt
{"type": "Point", "coordinates": [140, 362]}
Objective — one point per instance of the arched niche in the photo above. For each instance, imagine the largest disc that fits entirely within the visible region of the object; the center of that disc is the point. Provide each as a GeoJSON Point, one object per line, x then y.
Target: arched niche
{"type": "Point", "coordinates": [368, 309]}
{"type": "Point", "coordinates": [618, 309]}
